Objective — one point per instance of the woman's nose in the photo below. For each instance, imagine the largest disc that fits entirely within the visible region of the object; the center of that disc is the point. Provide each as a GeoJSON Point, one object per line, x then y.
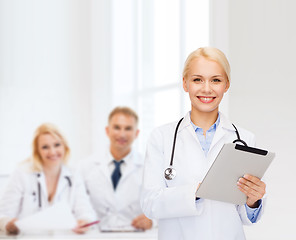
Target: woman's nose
{"type": "Point", "coordinates": [207, 87]}
{"type": "Point", "coordinates": [52, 150]}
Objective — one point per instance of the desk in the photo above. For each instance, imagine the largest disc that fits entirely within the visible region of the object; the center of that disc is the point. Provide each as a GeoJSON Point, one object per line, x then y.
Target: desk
{"type": "Point", "coordinates": [147, 235]}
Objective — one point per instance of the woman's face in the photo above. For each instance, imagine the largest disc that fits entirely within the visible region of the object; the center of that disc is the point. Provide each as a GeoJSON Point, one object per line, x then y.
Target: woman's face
{"type": "Point", "coordinates": [206, 83]}
{"type": "Point", "coordinates": [51, 150]}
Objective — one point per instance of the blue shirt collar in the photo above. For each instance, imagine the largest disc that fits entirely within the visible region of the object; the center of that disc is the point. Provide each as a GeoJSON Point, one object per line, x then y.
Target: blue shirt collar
{"type": "Point", "coordinates": [213, 127]}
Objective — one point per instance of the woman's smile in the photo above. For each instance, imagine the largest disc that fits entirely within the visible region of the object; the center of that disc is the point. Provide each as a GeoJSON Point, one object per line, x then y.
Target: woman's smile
{"type": "Point", "coordinates": [204, 99]}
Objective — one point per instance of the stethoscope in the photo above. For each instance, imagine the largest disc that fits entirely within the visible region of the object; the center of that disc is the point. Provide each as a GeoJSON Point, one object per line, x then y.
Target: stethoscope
{"type": "Point", "coordinates": [170, 172]}
{"type": "Point", "coordinates": [39, 188]}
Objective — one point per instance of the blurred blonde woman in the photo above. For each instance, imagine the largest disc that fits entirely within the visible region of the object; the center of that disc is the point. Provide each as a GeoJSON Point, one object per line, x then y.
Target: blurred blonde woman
{"type": "Point", "coordinates": [42, 180]}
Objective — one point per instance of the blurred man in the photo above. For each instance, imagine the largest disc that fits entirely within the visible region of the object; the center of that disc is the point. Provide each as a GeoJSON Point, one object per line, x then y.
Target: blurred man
{"type": "Point", "coordinates": [113, 178]}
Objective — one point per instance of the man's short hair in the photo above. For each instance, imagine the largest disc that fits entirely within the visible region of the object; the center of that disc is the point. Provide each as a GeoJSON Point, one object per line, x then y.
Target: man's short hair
{"type": "Point", "coordinates": [125, 111]}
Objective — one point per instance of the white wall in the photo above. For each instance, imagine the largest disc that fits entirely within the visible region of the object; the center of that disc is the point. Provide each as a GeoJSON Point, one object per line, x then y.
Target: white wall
{"type": "Point", "coordinates": [44, 75]}
{"type": "Point", "coordinates": [261, 47]}
{"type": "Point", "coordinates": [101, 85]}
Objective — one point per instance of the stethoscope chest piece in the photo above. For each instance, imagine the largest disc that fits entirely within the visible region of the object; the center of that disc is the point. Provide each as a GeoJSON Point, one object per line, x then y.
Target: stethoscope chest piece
{"type": "Point", "coordinates": [170, 173]}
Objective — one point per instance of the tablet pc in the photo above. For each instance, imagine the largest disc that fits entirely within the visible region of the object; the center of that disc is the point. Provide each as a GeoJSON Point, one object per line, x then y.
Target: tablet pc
{"type": "Point", "coordinates": [232, 162]}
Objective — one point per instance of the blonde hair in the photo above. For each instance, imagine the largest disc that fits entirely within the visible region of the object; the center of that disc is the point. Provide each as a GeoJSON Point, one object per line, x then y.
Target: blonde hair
{"type": "Point", "coordinates": [209, 53]}
{"type": "Point", "coordinates": [47, 128]}
{"type": "Point", "coordinates": [125, 111]}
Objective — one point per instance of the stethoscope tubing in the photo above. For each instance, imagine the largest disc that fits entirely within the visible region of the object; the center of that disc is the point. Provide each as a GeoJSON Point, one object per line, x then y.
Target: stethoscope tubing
{"type": "Point", "coordinates": [174, 143]}
{"type": "Point", "coordinates": [39, 189]}
{"type": "Point", "coordinates": [238, 137]}
{"type": "Point", "coordinates": [170, 172]}
{"type": "Point", "coordinates": [39, 195]}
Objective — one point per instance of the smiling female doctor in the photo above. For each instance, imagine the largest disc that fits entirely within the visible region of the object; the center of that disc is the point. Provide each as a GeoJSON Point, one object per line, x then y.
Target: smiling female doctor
{"type": "Point", "coordinates": [44, 180]}
{"type": "Point", "coordinates": [170, 198]}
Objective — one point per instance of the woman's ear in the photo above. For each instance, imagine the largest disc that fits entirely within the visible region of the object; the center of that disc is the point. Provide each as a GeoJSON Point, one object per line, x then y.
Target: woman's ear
{"type": "Point", "coordinates": [227, 86]}
{"type": "Point", "coordinates": [185, 85]}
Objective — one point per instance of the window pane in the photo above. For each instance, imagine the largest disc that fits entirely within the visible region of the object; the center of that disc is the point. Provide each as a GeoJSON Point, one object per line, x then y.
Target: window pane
{"type": "Point", "coordinates": [196, 24]}
{"type": "Point", "coordinates": [157, 109]}
{"type": "Point", "coordinates": [166, 42]}
{"type": "Point", "coordinates": [162, 52]}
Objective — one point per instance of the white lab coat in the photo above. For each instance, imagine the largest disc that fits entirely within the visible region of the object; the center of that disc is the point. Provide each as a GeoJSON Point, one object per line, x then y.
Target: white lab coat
{"type": "Point", "coordinates": [114, 208]}
{"type": "Point", "coordinates": [21, 197]}
{"type": "Point", "coordinates": [172, 202]}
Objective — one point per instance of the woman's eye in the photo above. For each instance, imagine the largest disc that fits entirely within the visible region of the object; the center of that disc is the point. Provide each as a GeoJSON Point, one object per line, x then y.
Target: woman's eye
{"type": "Point", "coordinates": [196, 80]}
{"type": "Point", "coordinates": [216, 80]}
{"type": "Point", "coordinates": [57, 145]}
{"type": "Point", "coordinates": [44, 147]}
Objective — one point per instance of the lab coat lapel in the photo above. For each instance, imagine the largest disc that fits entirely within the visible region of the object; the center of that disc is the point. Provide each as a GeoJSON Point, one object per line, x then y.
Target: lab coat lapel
{"type": "Point", "coordinates": [63, 182]}
{"type": "Point", "coordinates": [129, 169]}
{"type": "Point", "coordinates": [186, 124]}
{"type": "Point", "coordinates": [102, 175]}
{"type": "Point", "coordinates": [131, 166]}
{"type": "Point", "coordinates": [224, 127]}
{"type": "Point", "coordinates": [106, 169]}
{"type": "Point", "coordinates": [102, 162]}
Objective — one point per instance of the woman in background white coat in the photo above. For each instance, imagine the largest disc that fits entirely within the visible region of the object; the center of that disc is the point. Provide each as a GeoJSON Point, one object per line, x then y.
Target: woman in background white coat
{"type": "Point", "coordinates": [42, 181]}
{"type": "Point", "coordinates": [200, 137]}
